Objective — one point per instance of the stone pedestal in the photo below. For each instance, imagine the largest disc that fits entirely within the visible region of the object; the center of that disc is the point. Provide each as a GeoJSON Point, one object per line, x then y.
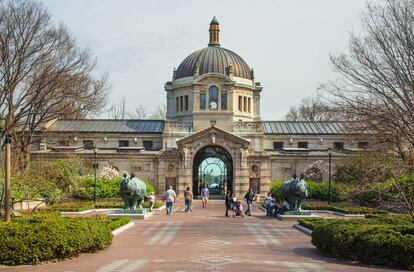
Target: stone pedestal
{"type": "Point", "coordinates": [137, 214]}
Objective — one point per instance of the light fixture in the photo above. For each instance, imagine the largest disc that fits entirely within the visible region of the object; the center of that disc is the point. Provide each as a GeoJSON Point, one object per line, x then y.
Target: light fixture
{"type": "Point", "coordinates": [330, 151]}
{"type": "Point", "coordinates": [135, 139]}
{"type": "Point", "coordinates": [321, 140]}
{"type": "Point", "coordinates": [291, 141]}
{"type": "Point", "coordinates": [75, 138]}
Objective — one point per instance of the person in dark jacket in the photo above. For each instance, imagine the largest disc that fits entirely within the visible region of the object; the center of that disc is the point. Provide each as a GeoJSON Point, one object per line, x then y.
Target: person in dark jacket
{"type": "Point", "coordinates": [228, 201]}
{"type": "Point", "coordinates": [249, 201]}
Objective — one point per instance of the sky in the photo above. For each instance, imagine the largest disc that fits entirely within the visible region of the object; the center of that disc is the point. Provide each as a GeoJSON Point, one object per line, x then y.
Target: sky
{"type": "Point", "coordinates": [138, 43]}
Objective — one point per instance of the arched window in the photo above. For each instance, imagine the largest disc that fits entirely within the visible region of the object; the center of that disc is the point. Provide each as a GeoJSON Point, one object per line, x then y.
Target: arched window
{"type": "Point", "coordinates": [213, 97]}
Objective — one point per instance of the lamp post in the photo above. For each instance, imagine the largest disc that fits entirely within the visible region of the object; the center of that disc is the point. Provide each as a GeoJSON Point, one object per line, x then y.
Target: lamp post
{"type": "Point", "coordinates": [330, 151]}
{"type": "Point", "coordinates": [5, 139]}
{"type": "Point", "coordinates": [95, 165]}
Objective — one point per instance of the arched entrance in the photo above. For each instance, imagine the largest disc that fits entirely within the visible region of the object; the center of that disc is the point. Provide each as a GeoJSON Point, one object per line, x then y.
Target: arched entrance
{"type": "Point", "coordinates": [213, 165]}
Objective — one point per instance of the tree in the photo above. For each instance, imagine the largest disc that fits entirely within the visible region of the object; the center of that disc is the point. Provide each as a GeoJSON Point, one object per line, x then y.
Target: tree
{"type": "Point", "coordinates": [44, 75]}
{"type": "Point", "coordinates": [376, 83]}
{"type": "Point", "coordinates": [159, 113]}
{"type": "Point", "coordinates": [140, 112]}
{"type": "Point", "coordinates": [120, 111]}
{"type": "Point", "coordinates": [312, 109]}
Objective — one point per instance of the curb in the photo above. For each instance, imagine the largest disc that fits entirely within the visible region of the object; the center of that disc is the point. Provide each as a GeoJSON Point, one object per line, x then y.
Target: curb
{"type": "Point", "coordinates": [303, 229]}
{"type": "Point", "coordinates": [123, 228]}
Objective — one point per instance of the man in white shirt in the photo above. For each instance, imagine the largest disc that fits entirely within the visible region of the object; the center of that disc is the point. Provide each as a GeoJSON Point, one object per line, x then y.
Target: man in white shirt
{"type": "Point", "coordinates": [170, 199]}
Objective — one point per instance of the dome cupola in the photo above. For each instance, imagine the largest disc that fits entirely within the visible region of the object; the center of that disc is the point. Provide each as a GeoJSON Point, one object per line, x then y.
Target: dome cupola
{"type": "Point", "coordinates": [213, 59]}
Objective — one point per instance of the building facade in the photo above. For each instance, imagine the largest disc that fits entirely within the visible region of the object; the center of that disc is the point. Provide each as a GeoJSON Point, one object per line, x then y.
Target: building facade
{"type": "Point", "coordinates": [212, 134]}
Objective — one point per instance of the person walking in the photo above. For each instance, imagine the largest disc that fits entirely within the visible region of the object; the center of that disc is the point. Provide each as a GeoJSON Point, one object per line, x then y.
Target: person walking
{"type": "Point", "coordinates": [151, 199]}
{"type": "Point", "coordinates": [228, 201]}
{"type": "Point", "coordinates": [188, 199]}
{"type": "Point", "coordinates": [249, 201]}
{"type": "Point", "coordinates": [269, 204]}
{"type": "Point", "coordinates": [204, 195]}
{"type": "Point", "coordinates": [170, 197]}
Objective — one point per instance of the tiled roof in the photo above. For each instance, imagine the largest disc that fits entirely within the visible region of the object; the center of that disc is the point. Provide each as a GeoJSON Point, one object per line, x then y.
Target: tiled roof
{"type": "Point", "coordinates": [107, 125]}
{"type": "Point", "coordinates": [312, 127]}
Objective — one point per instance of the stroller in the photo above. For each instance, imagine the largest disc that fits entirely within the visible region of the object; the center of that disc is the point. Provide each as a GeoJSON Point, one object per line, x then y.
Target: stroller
{"type": "Point", "coordinates": [237, 208]}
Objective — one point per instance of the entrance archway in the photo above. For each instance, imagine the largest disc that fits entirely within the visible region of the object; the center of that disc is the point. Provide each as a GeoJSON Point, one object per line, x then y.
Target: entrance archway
{"type": "Point", "coordinates": [213, 165]}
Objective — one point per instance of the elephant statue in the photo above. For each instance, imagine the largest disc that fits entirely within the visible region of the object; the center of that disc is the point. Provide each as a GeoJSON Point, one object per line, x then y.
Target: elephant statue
{"type": "Point", "coordinates": [132, 191]}
{"type": "Point", "coordinates": [295, 191]}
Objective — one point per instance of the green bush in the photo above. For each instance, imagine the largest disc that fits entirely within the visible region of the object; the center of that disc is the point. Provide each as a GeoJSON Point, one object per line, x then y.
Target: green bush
{"type": "Point", "coordinates": [316, 190]}
{"type": "Point", "coordinates": [345, 210]}
{"type": "Point", "coordinates": [375, 242]}
{"type": "Point", "coordinates": [118, 222]}
{"type": "Point", "coordinates": [41, 238]}
{"type": "Point", "coordinates": [87, 205]}
{"type": "Point", "coordinates": [104, 188]}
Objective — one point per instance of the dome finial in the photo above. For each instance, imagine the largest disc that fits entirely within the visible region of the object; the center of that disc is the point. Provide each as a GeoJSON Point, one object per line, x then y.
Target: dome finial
{"type": "Point", "coordinates": [214, 32]}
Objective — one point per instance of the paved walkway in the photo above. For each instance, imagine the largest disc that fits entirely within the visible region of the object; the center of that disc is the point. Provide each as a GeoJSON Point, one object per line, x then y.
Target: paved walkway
{"type": "Point", "coordinates": [205, 240]}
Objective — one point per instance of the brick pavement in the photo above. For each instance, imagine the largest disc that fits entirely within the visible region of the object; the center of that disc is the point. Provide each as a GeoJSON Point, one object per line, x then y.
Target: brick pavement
{"type": "Point", "coordinates": [205, 240]}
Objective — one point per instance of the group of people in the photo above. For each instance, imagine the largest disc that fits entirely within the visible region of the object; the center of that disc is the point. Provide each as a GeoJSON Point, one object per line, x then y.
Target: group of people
{"type": "Point", "coordinates": [232, 205]}
{"type": "Point", "coordinates": [272, 208]}
{"type": "Point", "coordinates": [235, 205]}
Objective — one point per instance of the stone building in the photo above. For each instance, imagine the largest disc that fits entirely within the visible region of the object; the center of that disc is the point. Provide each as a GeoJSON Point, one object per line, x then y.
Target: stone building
{"type": "Point", "coordinates": [212, 134]}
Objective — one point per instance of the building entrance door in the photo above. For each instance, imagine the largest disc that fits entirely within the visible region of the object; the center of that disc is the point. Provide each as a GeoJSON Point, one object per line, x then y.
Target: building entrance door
{"type": "Point", "coordinates": [171, 181]}
{"type": "Point", "coordinates": [212, 166]}
{"type": "Point", "coordinates": [255, 185]}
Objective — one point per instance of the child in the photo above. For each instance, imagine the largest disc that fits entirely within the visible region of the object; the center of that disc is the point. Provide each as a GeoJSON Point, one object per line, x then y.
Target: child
{"type": "Point", "coordinates": [151, 198]}
{"type": "Point", "coordinates": [269, 204]}
{"type": "Point", "coordinates": [238, 209]}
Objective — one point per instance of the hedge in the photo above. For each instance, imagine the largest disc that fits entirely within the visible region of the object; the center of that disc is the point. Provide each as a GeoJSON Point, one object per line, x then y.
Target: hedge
{"type": "Point", "coordinates": [104, 188]}
{"type": "Point", "coordinates": [345, 210]}
{"type": "Point", "coordinates": [83, 206]}
{"type": "Point", "coordinates": [316, 190]}
{"type": "Point", "coordinates": [49, 237]}
{"type": "Point", "coordinates": [374, 242]}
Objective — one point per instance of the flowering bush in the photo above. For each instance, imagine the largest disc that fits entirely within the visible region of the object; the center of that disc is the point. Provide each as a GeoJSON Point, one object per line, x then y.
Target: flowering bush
{"type": "Point", "coordinates": [316, 171]}
{"type": "Point", "coordinates": [108, 172]}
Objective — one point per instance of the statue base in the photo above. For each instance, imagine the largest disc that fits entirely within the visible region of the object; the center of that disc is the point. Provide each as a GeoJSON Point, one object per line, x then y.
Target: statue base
{"type": "Point", "coordinates": [297, 213]}
{"type": "Point", "coordinates": [133, 214]}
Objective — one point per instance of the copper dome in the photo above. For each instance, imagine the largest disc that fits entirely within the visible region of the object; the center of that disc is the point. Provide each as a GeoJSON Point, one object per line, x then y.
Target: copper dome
{"type": "Point", "coordinates": [213, 59]}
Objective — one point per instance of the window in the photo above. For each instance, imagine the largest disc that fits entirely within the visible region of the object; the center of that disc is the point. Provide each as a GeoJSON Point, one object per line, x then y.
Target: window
{"type": "Point", "coordinates": [302, 144]}
{"type": "Point", "coordinates": [224, 101]}
{"type": "Point", "coordinates": [176, 104]}
{"type": "Point", "coordinates": [63, 143]}
{"type": "Point", "coordinates": [123, 143]}
{"type": "Point", "coordinates": [181, 103]}
{"type": "Point", "coordinates": [202, 101]}
{"type": "Point", "coordinates": [147, 145]}
{"type": "Point", "coordinates": [213, 98]}
{"type": "Point", "coordinates": [240, 103]}
{"type": "Point", "coordinates": [87, 144]}
{"type": "Point", "coordinates": [186, 102]}
{"type": "Point", "coordinates": [277, 145]}
{"type": "Point", "coordinates": [363, 145]}
{"type": "Point", "coordinates": [245, 103]}
{"type": "Point", "coordinates": [249, 103]}
{"type": "Point", "coordinates": [338, 145]}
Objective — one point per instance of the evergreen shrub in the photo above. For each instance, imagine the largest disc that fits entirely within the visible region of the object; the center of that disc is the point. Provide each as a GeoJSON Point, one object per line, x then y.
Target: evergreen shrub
{"type": "Point", "coordinates": [374, 242]}
{"type": "Point", "coordinates": [49, 237]}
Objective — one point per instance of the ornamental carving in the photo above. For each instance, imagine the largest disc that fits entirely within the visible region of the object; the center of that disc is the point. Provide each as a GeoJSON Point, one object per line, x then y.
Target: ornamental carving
{"type": "Point", "coordinates": [246, 125]}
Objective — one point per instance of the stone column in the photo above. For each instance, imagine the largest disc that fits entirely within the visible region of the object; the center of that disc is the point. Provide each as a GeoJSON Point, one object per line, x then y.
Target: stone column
{"type": "Point", "coordinates": [241, 173]}
{"type": "Point", "coordinates": [265, 176]}
{"type": "Point", "coordinates": [184, 172]}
